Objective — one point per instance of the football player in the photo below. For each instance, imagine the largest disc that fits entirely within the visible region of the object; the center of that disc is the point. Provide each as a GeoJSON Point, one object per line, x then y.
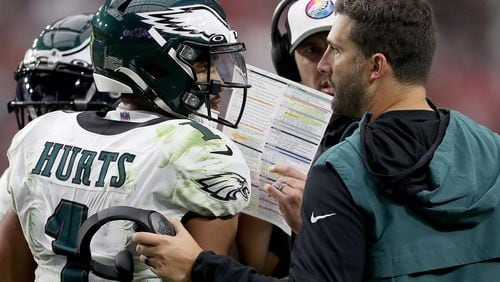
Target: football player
{"type": "Point", "coordinates": [56, 74]}
{"type": "Point", "coordinates": [172, 62]}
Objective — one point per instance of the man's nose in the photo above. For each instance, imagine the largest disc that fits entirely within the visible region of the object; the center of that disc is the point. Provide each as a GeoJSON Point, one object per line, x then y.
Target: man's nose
{"type": "Point", "coordinates": [214, 75]}
{"type": "Point", "coordinates": [323, 64]}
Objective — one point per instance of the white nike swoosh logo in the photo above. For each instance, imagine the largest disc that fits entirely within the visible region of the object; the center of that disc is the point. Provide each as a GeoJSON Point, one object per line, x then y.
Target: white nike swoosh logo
{"type": "Point", "coordinates": [315, 219]}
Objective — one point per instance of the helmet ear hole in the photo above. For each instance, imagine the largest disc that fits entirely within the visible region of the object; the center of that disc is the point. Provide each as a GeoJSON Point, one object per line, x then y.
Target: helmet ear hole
{"type": "Point", "coordinates": [155, 71]}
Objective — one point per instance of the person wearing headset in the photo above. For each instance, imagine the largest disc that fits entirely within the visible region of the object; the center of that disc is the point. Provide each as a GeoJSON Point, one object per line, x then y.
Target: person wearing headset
{"type": "Point", "coordinates": [295, 54]}
{"type": "Point", "coordinates": [410, 195]}
{"type": "Point", "coordinates": [173, 63]}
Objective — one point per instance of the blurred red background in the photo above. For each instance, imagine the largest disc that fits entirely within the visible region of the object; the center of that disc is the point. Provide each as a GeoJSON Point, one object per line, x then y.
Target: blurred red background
{"type": "Point", "coordinates": [465, 75]}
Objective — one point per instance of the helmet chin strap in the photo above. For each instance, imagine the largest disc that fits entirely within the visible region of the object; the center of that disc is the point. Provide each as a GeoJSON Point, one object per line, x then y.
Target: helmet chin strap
{"type": "Point", "coordinates": [148, 92]}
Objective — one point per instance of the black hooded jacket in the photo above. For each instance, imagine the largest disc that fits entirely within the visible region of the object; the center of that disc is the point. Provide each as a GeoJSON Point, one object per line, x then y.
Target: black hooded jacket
{"type": "Point", "coordinates": [396, 143]}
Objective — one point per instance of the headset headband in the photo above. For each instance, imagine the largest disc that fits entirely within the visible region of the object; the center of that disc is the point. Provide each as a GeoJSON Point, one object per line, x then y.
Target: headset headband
{"type": "Point", "coordinates": [145, 220]}
{"type": "Point", "coordinates": [276, 17]}
{"type": "Point", "coordinates": [283, 62]}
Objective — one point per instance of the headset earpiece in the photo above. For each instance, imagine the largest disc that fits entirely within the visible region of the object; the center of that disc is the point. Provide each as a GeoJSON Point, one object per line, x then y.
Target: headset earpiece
{"type": "Point", "coordinates": [124, 266]}
{"type": "Point", "coordinates": [159, 224]}
{"type": "Point", "coordinates": [123, 269]}
{"type": "Point", "coordinates": [283, 62]}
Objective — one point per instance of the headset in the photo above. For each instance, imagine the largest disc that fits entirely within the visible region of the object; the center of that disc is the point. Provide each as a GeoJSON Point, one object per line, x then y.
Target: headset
{"type": "Point", "coordinates": [123, 269]}
{"type": "Point", "coordinates": [283, 63]}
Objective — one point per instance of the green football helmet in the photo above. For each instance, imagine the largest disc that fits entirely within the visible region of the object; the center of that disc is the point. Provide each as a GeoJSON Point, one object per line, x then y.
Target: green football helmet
{"type": "Point", "coordinates": [56, 72]}
{"type": "Point", "coordinates": [179, 55]}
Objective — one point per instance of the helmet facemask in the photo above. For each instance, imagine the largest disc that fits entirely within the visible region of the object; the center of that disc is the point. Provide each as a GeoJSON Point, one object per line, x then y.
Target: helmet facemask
{"type": "Point", "coordinates": [220, 81]}
{"type": "Point", "coordinates": [45, 84]}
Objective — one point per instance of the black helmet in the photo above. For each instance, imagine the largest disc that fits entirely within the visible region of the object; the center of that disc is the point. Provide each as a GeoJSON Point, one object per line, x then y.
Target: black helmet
{"type": "Point", "coordinates": [56, 72]}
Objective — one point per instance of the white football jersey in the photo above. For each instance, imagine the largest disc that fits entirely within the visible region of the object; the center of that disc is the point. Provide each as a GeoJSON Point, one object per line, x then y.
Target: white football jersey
{"type": "Point", "coordinates": [5, 199]}
{"type": "Point", "coordinates": [66, 162]}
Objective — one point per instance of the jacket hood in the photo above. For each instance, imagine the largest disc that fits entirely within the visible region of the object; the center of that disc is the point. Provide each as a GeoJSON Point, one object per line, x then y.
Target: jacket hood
{"type": "Point", "coordinates": [441, 164]}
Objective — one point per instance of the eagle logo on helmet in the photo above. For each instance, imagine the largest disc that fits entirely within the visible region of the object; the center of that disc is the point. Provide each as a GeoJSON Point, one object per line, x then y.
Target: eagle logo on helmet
{"type": "Point", "coordinates": [191, 21]}
{"type": "Point", "coordinates": [225, 186]}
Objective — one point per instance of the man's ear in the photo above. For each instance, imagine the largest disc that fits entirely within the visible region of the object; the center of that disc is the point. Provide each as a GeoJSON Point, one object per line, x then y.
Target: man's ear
{"type": "Point", "coordinates": [379, 66]}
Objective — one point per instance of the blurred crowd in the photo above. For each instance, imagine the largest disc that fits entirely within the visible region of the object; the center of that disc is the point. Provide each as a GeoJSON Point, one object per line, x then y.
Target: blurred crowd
{"type": "Point", "coordinates": [465, 74]}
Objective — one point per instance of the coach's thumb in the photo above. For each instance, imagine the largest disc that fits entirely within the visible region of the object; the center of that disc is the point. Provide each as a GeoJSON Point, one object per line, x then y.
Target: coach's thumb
{"type": "Point", "coordinates": [178, 227]}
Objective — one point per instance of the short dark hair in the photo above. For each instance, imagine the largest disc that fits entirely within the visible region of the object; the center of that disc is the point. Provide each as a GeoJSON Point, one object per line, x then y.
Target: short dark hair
{"type": "Point", "coordinates": [402, 30]}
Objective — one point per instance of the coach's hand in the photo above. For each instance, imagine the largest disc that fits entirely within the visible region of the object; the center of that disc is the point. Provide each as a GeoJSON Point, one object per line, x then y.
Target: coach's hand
{"type": "Point", "coordinates": [169, 257]}
{"type": "Point", "coordinates": [288, 191]}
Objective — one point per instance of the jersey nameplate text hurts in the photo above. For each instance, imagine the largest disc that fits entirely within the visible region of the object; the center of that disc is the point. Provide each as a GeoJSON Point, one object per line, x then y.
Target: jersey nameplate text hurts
{"type": "Point", "coordinates": [71, 163]}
